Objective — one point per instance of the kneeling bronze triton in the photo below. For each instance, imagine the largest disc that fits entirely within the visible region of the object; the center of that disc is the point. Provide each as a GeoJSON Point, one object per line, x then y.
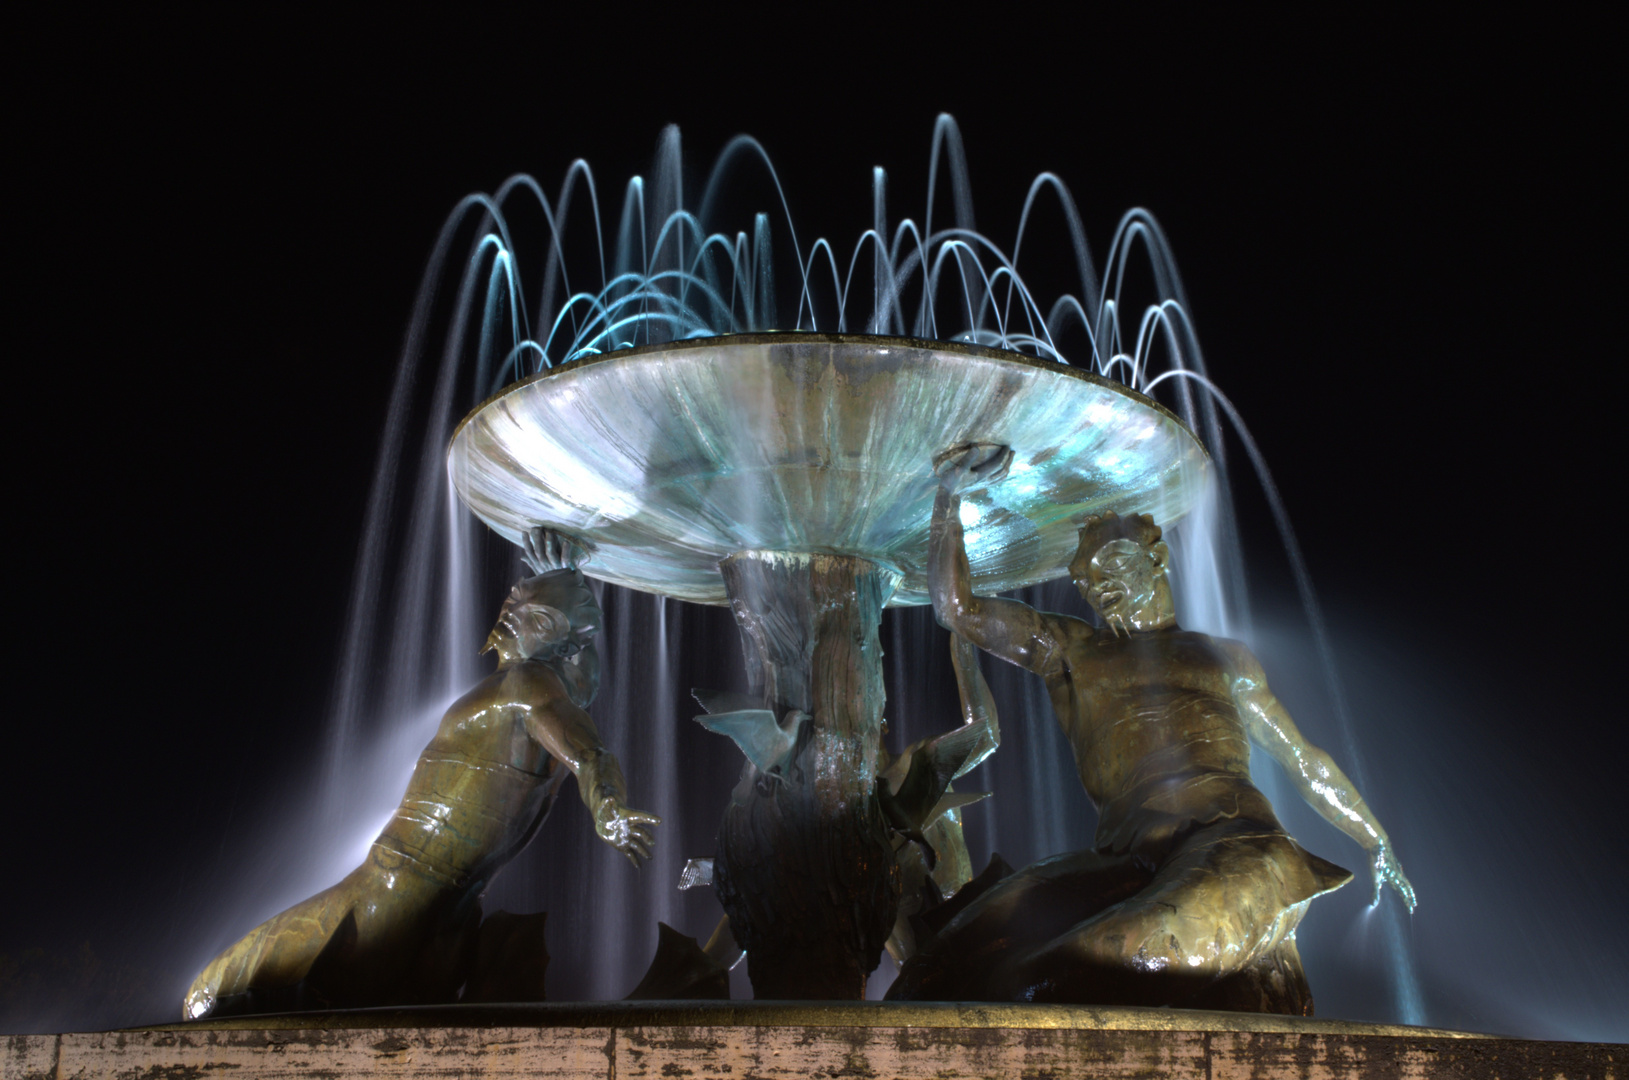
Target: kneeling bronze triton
{"type": "Point", "coordinates": [1193, 891]}
{"type": "Point", "coordinates": [405, 927]}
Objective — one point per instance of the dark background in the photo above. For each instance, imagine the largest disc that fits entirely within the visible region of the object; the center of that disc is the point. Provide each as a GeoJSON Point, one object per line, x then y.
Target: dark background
{"type": "Point", "coordinates": [1400, 256]}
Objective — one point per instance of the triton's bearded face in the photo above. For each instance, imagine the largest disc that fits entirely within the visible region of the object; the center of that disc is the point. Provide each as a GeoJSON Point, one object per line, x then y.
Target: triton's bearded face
{"type": "Point", "coordinates": [552, 617]}
{"type": "Point", "coordinates": [543, 630]}
{"type": "Point", "coordinates": [1125, 584]}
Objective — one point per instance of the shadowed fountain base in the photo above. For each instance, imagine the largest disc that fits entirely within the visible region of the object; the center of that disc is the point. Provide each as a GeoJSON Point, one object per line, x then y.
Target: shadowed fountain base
{"type": "Point", "coordinates": [791, 476]}
{"type": "Point", "coordinates": [805, 866]}
{"type": "Point", "coordinates": [638, 1039]}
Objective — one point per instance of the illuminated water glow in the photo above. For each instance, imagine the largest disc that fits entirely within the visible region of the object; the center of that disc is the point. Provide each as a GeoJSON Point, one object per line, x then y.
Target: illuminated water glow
{"type": "Point", "coordinates": [666, 272]}
{"type": "Point", "coordinates": [670, 458]}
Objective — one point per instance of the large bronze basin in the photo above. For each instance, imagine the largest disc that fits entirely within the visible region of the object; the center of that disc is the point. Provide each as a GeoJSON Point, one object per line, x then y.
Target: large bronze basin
{"type": "Point", "coordinates": [668, 458]}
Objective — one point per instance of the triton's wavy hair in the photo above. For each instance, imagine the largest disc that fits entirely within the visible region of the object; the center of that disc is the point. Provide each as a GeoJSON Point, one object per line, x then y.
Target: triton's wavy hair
{"type": "Point", "coordinates": [1102, 528]}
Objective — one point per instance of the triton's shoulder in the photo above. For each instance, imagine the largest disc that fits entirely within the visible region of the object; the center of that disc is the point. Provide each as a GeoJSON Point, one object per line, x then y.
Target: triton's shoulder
{"type": "Point", "coordinates": [1070, 627]}
{"type": "Point", "coordinates": [526, 681]}
{"type": "Point", "coordinates": [1237, 652]}
{"type": "Point", "coordinates": [1080, 642]}
{"type": "Point", "coordinates": [539, 671]}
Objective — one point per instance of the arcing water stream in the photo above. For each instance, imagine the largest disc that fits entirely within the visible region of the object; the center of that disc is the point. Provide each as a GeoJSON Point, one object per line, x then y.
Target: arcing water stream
{"type": "Point", "coordinates": [498, 303]}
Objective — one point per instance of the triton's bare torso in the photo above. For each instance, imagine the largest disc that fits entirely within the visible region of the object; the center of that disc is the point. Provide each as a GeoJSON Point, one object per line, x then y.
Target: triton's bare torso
{"type": "Point", "coordinates": [1157, 738]}
{"type": "Point", "coordinates": [483, 784]}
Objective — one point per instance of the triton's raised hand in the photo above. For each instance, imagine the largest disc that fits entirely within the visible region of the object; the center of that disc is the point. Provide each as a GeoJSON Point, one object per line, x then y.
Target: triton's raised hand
{"type": "Point", "coordinates": [975, 463]}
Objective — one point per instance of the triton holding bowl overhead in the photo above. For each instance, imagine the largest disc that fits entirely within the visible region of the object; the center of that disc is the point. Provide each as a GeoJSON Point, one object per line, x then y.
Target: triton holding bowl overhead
{"type": "Point", "coordinates": [729, 417]}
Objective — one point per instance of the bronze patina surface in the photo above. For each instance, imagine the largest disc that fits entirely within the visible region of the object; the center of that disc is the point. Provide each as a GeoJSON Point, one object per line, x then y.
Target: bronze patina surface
{"type": "Point", "coordinates": [670, 458]}
{"type": "Point", "coordinates": [405, 926]}
{"type": "Point", "coordinates": [805, 865]}
{"type": "Point", "coordinates": [783, 473]}
{"type": "Point", "coordinates": [1193, 891]}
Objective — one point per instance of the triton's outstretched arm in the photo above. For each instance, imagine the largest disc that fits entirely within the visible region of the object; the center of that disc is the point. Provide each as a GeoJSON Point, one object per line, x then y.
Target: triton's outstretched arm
{"type": "Point", "coordinates": [569, 735]}
{"type": "Point", "coordinates": [1011, 630]}
{"type": "Point", "coordinates": [1313, 772]}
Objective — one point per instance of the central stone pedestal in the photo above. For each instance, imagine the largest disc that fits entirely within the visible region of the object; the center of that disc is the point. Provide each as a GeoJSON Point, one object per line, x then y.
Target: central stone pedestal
{"type": "Point", "coordinates": [805, 865]}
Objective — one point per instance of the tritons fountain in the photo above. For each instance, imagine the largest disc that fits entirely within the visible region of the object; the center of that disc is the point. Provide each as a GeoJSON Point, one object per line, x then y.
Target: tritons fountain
{"type": "Point", "coordinates": [786, 475]}
{"type": "Point", "coordinates": [667, 432]}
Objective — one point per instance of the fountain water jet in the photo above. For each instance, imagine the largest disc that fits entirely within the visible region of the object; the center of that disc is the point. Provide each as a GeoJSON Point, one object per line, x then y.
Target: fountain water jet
{"type": "Point", "coordinates": [669, 279]}
{"type": "Point", "coordinates": [786, 474]}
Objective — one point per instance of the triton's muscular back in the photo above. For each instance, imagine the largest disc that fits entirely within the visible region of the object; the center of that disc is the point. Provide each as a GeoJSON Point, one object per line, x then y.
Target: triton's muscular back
{"type": "Point", "coordinates": [485, 782]}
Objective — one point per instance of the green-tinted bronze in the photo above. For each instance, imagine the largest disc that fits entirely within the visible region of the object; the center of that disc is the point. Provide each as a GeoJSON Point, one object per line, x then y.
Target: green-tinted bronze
{"type": "Point", "coordinates": [926, 810]}
{"type": "Point", "coordinates": [805, 864]}
{"type": "Point", "coordinates": [1193, 892]}
{"type": "Point", "coordinates": [404, 927]}
{"type": "Point", "coordinates": [783, 474]}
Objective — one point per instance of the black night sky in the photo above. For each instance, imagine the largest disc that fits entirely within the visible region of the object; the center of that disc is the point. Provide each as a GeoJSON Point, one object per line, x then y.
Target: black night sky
{"type": "Point", "coordinates": [1400, 257]}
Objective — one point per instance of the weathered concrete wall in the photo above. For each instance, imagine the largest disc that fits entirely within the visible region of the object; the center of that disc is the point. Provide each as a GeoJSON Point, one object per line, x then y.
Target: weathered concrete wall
{"type": "Point", "coordinates": [1155, 1046]}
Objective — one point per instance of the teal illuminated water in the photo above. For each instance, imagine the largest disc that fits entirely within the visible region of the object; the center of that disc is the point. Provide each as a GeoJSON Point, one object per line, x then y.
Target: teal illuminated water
{"type": "Point", "coordinates": [521, 281]}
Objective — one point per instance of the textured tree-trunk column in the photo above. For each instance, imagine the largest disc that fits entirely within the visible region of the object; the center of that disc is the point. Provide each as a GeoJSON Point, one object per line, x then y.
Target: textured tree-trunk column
{"type": "Point", "coordinates": [805, 867]}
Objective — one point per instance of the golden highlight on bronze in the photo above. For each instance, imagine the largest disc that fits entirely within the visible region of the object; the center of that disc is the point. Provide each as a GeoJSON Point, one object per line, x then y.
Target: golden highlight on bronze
{"type": "Point", "coordinates": [1192, 891]}
{"type": "Point", "coordinates": [406, 926]}
{"type": "Point", "coordinates": [683, 433]}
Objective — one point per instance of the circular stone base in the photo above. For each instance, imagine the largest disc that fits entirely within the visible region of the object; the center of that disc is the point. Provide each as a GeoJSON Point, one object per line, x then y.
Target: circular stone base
{"type": "Point", "coordinates": [794, 1039]}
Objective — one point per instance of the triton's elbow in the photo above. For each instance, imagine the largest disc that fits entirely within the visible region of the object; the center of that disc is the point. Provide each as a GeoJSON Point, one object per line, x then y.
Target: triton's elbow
{"type": "Point", "coordinates": [951, 612]}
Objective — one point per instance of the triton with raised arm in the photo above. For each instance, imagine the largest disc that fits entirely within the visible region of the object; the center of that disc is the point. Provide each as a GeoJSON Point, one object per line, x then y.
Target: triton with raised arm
{"type": "Point", "coordinates": [1193, 890]}
{"type": "Point", "coordinates": [402, 928]}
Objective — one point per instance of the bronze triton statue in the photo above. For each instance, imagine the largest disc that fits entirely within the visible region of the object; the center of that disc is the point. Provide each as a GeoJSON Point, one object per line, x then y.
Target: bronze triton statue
{"type": "Point", "coordinates": [405, 926]}
{"type": "Point", "coordinates": [1193, 891]}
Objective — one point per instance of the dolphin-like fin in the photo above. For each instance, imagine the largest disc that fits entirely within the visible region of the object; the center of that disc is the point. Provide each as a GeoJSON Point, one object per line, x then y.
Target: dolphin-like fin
{"type": "Point", "coordinates": [768, 744]}
{"type": "Point", "coordinates": [956, 752]}
{"type": "Point", "coordinates": [681, 970]}
{"type": "Point", "coordinates": [918, 778]}
{"type": "Point", "coordinates": [953, 800]}
{"type": "Point", "coordinates": [723, 701]}
{"type": "Point", "coordinates": [696, 872]}
{"type": "Point", "coordinates": [916, 787]}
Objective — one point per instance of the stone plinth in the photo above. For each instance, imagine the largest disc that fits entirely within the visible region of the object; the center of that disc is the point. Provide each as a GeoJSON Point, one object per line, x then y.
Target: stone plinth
{"type": "Point", "coordinates": [622, 1041]}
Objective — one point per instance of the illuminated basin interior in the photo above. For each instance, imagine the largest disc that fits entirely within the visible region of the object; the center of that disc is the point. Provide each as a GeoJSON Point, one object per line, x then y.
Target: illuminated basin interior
{"type": "Point", "coordinates": [670, 457]}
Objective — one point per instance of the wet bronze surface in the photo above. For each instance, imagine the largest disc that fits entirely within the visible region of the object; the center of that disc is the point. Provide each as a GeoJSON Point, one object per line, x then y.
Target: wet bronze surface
{"type": "Point", "coordinates": [805, 865]}
{"type": "Point", "coordinates": [406, 926]}
{"type": "Point", "coordinates": [1193, 891]}
{"type": "Point", "coordinates": [673, 457]}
